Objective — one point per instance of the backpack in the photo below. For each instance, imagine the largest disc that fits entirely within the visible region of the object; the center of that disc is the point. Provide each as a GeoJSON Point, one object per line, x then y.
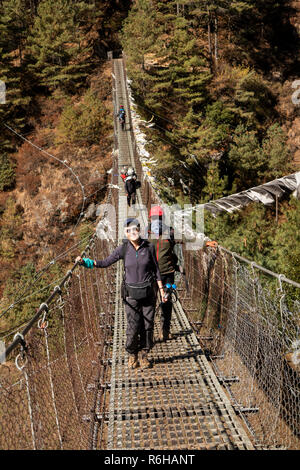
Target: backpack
{"type": "Point", "coordinates": [137, 291]}
{"type": "Point", "coordinates": [130, 185]}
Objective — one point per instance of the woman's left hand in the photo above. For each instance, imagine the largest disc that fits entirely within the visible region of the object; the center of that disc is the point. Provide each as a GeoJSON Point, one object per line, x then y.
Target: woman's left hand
{"type": "Point", "coordinates": [162, 295]}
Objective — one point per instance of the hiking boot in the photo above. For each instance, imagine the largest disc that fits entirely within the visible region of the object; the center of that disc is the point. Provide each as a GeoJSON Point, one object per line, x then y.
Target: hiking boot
{"type": "Point", "coordinates": [144, 361]}
{"type": "Point", "coordinates": [164, 336]}
{"type": "Point", "coordinates": [133, 361]}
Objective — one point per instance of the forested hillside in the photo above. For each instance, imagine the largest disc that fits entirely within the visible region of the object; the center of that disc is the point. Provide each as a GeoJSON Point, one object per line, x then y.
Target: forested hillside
{"type": "Point", "coordinates": [53, 61]}
{"type": "Point", "coordinates": [217, 77]}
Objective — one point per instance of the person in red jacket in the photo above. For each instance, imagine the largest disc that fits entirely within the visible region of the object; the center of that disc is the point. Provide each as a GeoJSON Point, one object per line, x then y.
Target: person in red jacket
{"type": "Point", "coordinates": [124, 173]}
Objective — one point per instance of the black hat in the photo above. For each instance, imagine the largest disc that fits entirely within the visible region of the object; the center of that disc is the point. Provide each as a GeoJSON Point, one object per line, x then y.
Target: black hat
{"type": "Point", "coordinates": [131, 221]}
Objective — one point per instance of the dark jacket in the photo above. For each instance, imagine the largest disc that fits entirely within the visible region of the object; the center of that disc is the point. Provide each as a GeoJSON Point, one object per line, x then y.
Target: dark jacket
{"type": "Point", "coordinates": [121, 114]}
{"type": "Point", "coordinates": [139, 264]}
{"type": "Point", "coordinates": [130, 186]}
{"type": "Point", "coordinates": [162, 238]}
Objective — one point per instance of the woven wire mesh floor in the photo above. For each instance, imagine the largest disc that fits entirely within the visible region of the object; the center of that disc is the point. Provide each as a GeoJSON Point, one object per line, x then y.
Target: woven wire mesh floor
{"type": "Point", "coordinates": [177, 404]}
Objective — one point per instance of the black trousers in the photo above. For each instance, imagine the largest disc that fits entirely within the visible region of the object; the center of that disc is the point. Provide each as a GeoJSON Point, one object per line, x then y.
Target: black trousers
{"type": "Point", "coordinates": [140, 323]}
{"type": "Point", "coordinates": [131, 196]}
{"type": "Point", "coordinates": [166, 308]}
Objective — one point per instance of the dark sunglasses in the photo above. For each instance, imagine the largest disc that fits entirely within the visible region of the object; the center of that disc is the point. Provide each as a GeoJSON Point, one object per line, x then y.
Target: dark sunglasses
{"type": "Point", "coordinates": [132, 229]}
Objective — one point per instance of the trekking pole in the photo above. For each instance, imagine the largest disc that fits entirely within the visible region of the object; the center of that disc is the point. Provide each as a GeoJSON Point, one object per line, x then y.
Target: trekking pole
{"type": "Point", "coordinates": [170, 291]}
{"type": "Point", "coordinates": [182, 272]}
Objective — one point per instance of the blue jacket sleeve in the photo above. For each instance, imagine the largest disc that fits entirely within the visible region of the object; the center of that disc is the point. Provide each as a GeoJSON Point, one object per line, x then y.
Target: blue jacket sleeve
{"type": "Point", "coordinates": [111, 259]}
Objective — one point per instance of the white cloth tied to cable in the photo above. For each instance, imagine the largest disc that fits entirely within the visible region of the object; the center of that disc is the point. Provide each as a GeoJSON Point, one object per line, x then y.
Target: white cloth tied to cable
{"type": "Point", "coordinates": [265, 193]}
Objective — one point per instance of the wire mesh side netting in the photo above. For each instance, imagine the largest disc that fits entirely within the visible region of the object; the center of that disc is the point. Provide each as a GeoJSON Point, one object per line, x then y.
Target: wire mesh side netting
{"type": "Point", "coordinates": [48, 401]}
{"type": "Point", "coordinates": [249, 325]}
{"type": "Point", "coordinates": [50, 391]}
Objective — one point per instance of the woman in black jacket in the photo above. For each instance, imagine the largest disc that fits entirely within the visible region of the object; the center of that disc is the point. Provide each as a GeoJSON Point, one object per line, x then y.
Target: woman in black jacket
{"type": "Point", "coordinates": [141, 274]}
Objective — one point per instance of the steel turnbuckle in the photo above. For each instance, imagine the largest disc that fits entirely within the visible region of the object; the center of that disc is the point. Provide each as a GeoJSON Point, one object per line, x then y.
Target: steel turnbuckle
{"type": "Point", "coordinates": [42, 323]}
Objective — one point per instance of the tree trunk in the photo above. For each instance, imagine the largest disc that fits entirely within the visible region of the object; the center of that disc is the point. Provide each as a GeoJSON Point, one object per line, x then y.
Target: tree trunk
{"type": "Point", "coordinates": [209, 40]}
{"type": "Point", "coordinates": [20, 53]}
{"type": "Point", "coordinates": [33, 7]}
{"type": "Point", "coordinates": [216, 42]}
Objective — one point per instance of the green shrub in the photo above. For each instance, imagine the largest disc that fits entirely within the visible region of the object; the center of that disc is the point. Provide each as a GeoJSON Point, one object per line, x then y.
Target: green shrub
{"type": "Point", "coordinates": [82, 124]}
{"type": "Point", "coordinates": [254, 99]}
{"type": "Point", "coordinates": [10, 226]}
{"type": "Point", "coordinates": [27, 290]}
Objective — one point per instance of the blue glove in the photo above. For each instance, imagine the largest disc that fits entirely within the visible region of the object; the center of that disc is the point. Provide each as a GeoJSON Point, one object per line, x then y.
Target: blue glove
{"type": "Point", "coordinates": [88, 263]}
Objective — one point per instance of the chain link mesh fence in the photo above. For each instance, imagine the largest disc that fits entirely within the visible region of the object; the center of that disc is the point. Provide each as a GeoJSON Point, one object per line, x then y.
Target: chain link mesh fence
{"type": "Point", "coordinates": [50, 389]}
{"type": "Point", "coordinates": [249, 326]}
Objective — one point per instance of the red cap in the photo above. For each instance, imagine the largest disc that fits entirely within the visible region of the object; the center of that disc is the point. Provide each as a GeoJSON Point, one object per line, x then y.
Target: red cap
{"type": "Point", "coordinates": [156, 210]}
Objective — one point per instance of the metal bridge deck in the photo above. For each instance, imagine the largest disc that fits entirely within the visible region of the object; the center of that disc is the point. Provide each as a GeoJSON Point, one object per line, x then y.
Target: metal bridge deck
{"type": "Point", "coordinates": [179, 403]}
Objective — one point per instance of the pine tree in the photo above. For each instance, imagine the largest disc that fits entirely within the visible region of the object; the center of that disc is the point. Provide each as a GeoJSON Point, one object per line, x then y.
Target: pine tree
{"type": "Point", "coordinates": [25, 309]}
{"type": "Point", "coordinates": [215, 185]}
{"type": "Point", "coordinates": [214, 133]}
{"type": "Point", "coordinates": [82, 124]}
{"type": "Point", "coordinates": [285, 255]}
{"type": "Point", "coordinates": [13, 27]}
{"type": "Point", "coordinates": [10, 224]}
{"type": "Point", "coordinates": [254, 99]}
{"type": "Point", "coordinates": [183, 81]}
{"type": "Point", "coordinates": [188, 67]}
{"type": "Point", "coordinates": [138, 38]}
{"type": "Point", "coordinates": [139, 32]}
{"type": "Point", "coordinates": [276, 153]}
{"type": "Point", "coordinates": [7, 173]}
{"type": "Point", "coordinates": [152, 23]}
{"type": "Point", "coordinates": [246, 157]}
{"type": "Point", "coordinates": [16, 102]}
{"type": "Point", "coordinates": [57, 45]}
{"type": "Point", "coordinates": [229, 123]}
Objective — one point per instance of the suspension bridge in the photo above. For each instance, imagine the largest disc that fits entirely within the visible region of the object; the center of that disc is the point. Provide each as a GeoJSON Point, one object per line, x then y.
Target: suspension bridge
{"type": "Point", "coordinates": [227, 379]}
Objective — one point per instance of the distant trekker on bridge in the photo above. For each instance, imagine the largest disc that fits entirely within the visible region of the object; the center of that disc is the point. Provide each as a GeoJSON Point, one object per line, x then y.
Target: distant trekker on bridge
{"type": "Point", "coordinates": [139, 289]}
{"type": "Point", "coordinates": [122, 116]}
{"type": "Point", "coordinates": [130, 186]}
